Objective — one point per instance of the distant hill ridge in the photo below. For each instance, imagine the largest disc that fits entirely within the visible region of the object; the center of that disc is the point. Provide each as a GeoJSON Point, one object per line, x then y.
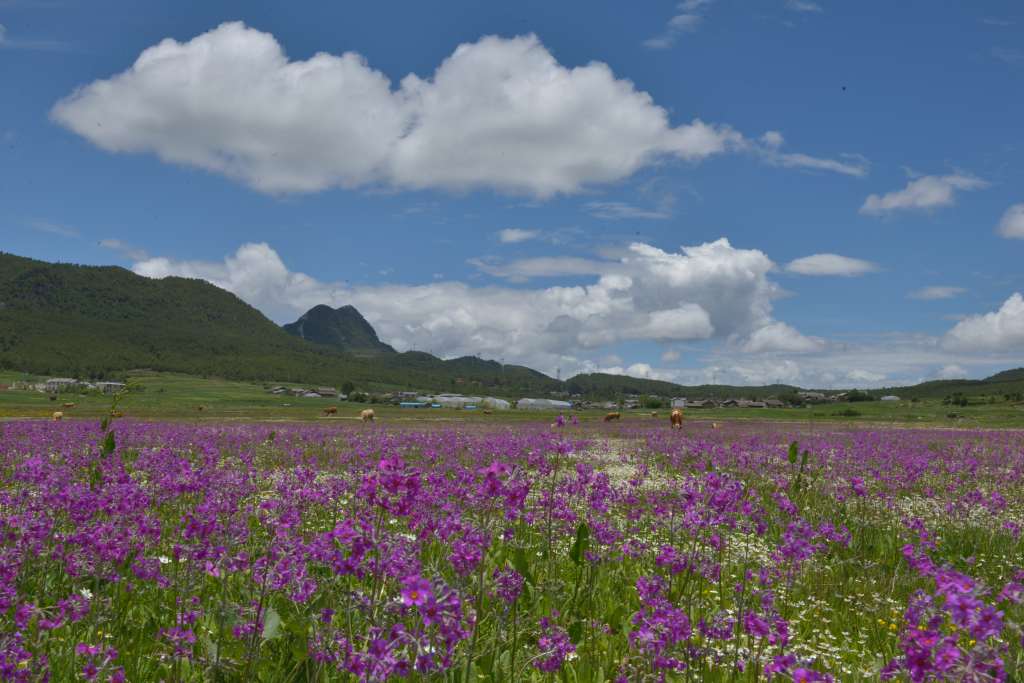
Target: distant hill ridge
{"type": "Point", "coordinates": [99, 321]}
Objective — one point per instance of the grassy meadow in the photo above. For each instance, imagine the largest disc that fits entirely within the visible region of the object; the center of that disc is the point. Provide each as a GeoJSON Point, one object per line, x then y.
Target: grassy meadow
{"type": "Point", "coordinates": [178, 397]}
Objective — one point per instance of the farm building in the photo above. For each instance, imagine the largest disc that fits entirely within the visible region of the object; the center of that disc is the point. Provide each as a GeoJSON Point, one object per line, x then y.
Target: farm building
{"type": "Point", "coordinates": [679, 403]}
{"type": "Point", "coordinates": [110, 387]}
{"type": "Point", "coordinates": [701, 404]}
{"type": "Point", "coordinates": [57, 384]}
{"type": "Point", "coordinates": [495, 403]}
{"type": "Point", "coordinates": [889, 398]}
{"type": "Point", "coordinates": [542, 404]}
{"type": "Point", "coordinates": [451, 400]}
{"type": "Point", "coordinates": [329, 392]}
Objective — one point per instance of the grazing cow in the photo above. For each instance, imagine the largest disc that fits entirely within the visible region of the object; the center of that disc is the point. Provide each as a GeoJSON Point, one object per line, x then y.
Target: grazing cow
{"type": "Point", "coordinates": [200, 408]}
{"type": "Point", "coordinates": [367, 415]}
{"type": "Point", "coordinates": [332, 410]}
{"type": "Point", "coordinates": [715, 425]}
{"type": "Point", "coordinates": [57, 416]}
{"type": "Point", "coordinates": [53, 397]}
{"type": "Point", "coordinates": [612, 416]}
{"type": "Point", "coordinates": [69, 405]}
{"type": "Point", "coordinates": [116, 413]}
{"type": "Point", "coordinates": [488, 412]}
{"type": "Point", "coordinates": [654, 413]}
{"type": "Point", "coordinates": [676, 419]}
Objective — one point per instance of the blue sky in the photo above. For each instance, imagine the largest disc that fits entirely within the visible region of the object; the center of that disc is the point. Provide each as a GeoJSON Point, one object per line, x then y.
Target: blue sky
{"type": "Point", "coordinates": [815, 192]}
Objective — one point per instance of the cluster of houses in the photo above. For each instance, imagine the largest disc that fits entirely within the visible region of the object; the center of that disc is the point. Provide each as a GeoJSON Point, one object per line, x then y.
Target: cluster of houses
{"type": "Point", "coordinates": [315, 392]}
{"type": "Point", "coordinates": [415, 399]}
{"type": "Point", "coordinates": [60, 385]}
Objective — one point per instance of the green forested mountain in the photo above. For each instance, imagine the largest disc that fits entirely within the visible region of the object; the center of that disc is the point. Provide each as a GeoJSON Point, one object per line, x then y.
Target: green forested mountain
{"type": "Point", "coordinates": [342, 328]}
{"type": "Point", "coordinates": [999, 384]}
{"type": "Point", "coordinates": [88, 321]}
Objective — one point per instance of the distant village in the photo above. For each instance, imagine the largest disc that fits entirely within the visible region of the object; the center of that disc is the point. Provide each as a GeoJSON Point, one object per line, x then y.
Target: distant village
{"type": "Point", "coordinates": [415, 399]}
{"type": "Point", "coordinates": [426, 400]}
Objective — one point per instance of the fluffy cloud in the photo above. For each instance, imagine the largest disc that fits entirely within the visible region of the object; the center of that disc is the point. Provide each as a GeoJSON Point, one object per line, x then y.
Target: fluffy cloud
{"type": "Point", "coordinates": [1001, 330]}
{"type": "Point", "coordinates": [779, 336]}
{"type": "Point", "coordinates": [926, 192]}
{"type": "Point", "coordinates": [951, 371]}
{"type": "Point", "coordinates": [514, 235]}
{"type": "Point", "coordinates": [500, 113]}
{"type": "Point", "coordinates": [830, 264]}
{"type": "Point", "coordinates": [712, 290]}
{"type": "Point", "coordinates": [936, 292]}
{"type": "Point", "coordinates": [1012, 223]}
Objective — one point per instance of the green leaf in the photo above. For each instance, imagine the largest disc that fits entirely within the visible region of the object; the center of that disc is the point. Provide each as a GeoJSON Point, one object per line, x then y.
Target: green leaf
{"type": "Point", "coordinates": [271, 624]}
{"type": "Point", "coordinates": [104, 423]}
{"type": "Point", "coordinates": [522, 565]}
{"type": "Point", "coordinates": [576, 631]}
{"type": "Point", "coordinates": [581, 545]}
{"type": "Point", "coordinates": [793, 450]}
{"type": "Point", "coordinates": [108, 444]}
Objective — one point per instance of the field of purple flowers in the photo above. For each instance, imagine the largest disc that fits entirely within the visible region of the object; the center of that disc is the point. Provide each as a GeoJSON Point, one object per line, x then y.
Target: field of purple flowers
{"type": "Point", "coordinates": [178, 552]}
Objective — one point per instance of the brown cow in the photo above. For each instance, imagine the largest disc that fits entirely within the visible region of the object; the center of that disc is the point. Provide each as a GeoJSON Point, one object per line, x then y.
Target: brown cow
{"type": "Point", "coordinates": [332, 410]}
{"type": "Point", "coordinates": [57, 416]}
{"type": "Point", "coordinates": [367, 415]}
{"type": "Point", "coordinates": [654, 413]}
{"type": "Point", "coordinates": [69, 405]}
{"type": "Point", "coordinates": [676, 419]}
{"type": "Point", "coordinates": [612, 416]}
{"type": "Point", "coordinates": [200, 408]}
{"type": "Point", "coordinates": [488, 412]}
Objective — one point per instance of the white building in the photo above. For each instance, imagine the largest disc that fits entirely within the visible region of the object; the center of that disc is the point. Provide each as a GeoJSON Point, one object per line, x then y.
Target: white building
{"type": "Point", "coordinates": [542, 404]}
{"type": "Point", "coordinates": [57, 384]}
{"type": "Point", "coordinates": [495, 403]}
{"type": "Point", "coordinates": [889, 398]}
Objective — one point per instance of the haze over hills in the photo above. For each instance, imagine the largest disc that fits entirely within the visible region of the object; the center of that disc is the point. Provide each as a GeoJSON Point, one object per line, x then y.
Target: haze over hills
{"type": "Point", "coordinates": [100, 321]}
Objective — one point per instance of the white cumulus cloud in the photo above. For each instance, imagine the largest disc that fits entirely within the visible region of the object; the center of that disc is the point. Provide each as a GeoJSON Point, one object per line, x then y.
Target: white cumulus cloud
{"type": "Point", "coordinates": [830, 264]}
{"type": "Point", "coordinates": [499, 113]}
{"type": "Point", "coordinates": [779, 336]}
{"type": "Point", "coordinates": [1001, 330]}
{"type": "Point", "coordinates": [1012, 223]}
{"type": "Point", "coordinates": [926, 192]}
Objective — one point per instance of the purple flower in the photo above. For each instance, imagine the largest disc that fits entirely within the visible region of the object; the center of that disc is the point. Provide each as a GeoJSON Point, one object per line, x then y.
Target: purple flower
{"type": "Point", "coordinates": [508, 584]}
{"type": "Point", "coordinates": [415, 591]}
